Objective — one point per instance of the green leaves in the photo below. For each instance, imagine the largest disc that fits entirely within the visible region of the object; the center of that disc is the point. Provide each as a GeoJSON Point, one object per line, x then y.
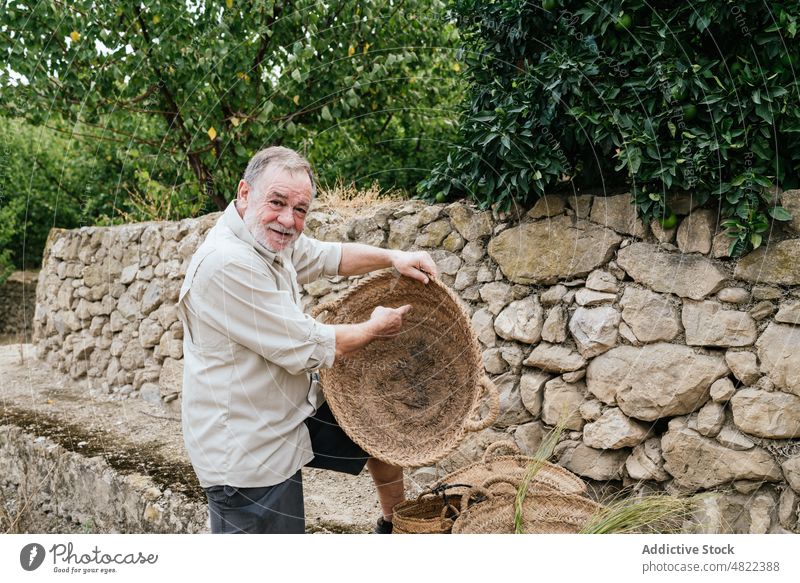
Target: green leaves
{"type": "Point", "coordinates": [779, 213]}
{"type": "Point", "coordinates": [679, 97]}
{"type": "Point", "coordinates": [349, 82]}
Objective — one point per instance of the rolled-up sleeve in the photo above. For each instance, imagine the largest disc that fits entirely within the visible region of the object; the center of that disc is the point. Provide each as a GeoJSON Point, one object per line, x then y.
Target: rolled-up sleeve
{"type": "Point", "coordinates": [249, 309]}
{"type": "Point", "coordinates": [313, 259]}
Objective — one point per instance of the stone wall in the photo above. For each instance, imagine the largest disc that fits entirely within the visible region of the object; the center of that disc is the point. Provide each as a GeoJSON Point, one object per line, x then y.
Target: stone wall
{"type": "Point", "coordinates": [87, 491]}
{"type": "Point", "coordinates": [676, 367]}
{"type": "Point", "coordinates": [17, 304]}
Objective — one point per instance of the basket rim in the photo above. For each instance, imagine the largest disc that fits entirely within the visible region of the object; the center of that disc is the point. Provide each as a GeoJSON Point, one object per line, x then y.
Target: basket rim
{"type": "Point", "coordinates": [504, 502]}
{"type": "Point", "coordinates": [459, 473]}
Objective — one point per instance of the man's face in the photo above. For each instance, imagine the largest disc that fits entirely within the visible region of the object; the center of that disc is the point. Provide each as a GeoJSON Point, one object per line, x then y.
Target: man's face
{"type": "Point", "coordinates": [274, 209]}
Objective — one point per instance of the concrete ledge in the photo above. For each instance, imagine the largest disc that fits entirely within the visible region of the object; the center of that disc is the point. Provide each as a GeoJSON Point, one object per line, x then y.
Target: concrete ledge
{"type": "Point", "coordinates": [91, 493]}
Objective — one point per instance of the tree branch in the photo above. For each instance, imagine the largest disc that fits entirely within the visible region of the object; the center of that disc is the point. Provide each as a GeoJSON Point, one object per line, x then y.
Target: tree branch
{"type": "Point", "coordinates": [265, 39]}
{"type": "Point", "coordinates": [203, 174]}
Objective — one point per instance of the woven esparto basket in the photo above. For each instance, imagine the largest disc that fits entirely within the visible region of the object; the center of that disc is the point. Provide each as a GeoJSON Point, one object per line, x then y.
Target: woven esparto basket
{"type": "Point", "coordinates": [515, 467]}
{"type": "Point", "coordinates": [409, 400]}
{"type": "Point", "coordinates": [543, 511]}
{"type": "Point", "coordinates": [433, 512]}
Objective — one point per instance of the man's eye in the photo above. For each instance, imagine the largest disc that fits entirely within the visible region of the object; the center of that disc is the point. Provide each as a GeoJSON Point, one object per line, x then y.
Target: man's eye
{"type": "Point", "coordinates": [276, 203]}
{"type": "Point", "coordinates": [301, 211]}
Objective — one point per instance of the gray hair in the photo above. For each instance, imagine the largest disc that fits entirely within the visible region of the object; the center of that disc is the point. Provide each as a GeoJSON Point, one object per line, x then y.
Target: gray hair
{"type": "Point", "coordinates": [287, 158]}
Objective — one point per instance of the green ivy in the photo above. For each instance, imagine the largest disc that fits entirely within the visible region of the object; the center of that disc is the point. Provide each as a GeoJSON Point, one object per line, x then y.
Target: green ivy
{"type": "Point", "coordinates": [659, 97]}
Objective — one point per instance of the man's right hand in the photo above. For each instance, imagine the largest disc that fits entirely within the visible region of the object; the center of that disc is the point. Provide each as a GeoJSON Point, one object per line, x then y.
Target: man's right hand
{"type": "Point", "coordinates": [382, 324]}
{"type": "Point", "coordinates": [386, 322]}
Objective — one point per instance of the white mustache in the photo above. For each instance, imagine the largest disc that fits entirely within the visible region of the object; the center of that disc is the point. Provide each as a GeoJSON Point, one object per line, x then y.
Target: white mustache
{"type": "Point", "coordinates": [281, 230]}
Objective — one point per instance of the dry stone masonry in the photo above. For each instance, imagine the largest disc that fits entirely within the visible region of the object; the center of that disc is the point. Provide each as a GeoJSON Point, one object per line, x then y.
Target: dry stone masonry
{"type": "Point", "coordinates": [669, 363]}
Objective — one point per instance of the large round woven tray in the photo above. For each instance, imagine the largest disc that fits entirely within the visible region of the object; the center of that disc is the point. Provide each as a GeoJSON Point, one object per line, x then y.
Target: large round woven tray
{"type": "Point", "coordinates": [543, 512]}
{"type": "Point", "coordinates": [514, 466]}
{"type": "Point", "coordinates": [410, 399]}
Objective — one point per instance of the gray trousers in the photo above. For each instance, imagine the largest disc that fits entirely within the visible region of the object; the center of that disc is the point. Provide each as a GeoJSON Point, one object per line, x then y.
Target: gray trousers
{"type": "Point", "coordinates": [274, 509]}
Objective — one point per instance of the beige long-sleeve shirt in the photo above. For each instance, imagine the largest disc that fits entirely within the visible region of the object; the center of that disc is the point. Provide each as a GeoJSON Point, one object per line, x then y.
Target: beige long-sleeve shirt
{"type": "Point", "coordinates": [248, 353]}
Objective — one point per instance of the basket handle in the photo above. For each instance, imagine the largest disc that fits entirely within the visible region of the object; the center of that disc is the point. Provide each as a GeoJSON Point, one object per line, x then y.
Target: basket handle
{"type": "Point", "coordinates": [489, 454]}
{"type": "Point", "coordinates": [324, 307]}
{"type": "Point", "coordinates": [485, 492]}
{"type": "Point", "coordinates": [476, 492]}
{"type": "Point", "coordinates": [501, 479]}
{"type": "Point", "coordinates": [490, 390]}
{"type": "Point", "coordinates": [443, 514]}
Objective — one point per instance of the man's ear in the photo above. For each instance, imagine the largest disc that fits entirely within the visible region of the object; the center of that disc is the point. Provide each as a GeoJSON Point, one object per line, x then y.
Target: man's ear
{"type": "Point", "coordinates": [242, 195]}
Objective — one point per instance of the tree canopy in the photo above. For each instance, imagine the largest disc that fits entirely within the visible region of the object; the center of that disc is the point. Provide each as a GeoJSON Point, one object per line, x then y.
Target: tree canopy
{"type": "Point", "coordinates": [188, 91]}
{"type": "Point", "coordinates": [151, 110]}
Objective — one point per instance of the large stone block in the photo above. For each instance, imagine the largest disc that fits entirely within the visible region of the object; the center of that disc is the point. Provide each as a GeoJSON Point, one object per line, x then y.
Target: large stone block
{"type": "Point", "coordinates": [133, 356]}
{"type": "Point", "coordinates": [554, 328]}
{"type": "Point", "coordinates": [774, 415]}
{"type": "Point", "coordinates": [470, 224]}
{"type": "Point", "coordinates": [434, 233]}
{"type": "Point", "coordinates": [696, 232]}
{"type": "Point", "coordinates": [708, 324]}
{"type": "Point", "coordinates": [618, 213]}
{"type": "Point", "coordinates": [654, 381]}
{"type": "Point", "coordinates": [646, 462]}
{"type": "Point", "coordinates": [614, 430]}
{"type": "Point", "coordinates": [483, 325]}
{"type": "Point", "coordinates": [403, 232]}
{"type": "Point", "coordinates": [688, 276]}
{"type": "Point", "coordinates": [775, 263]}
{"type": "Point", "coordinates": [562, 401]}
{"type": "Point", "coordinates": [780, 357]}
{"type": "Point", "coordinates": [744, 366]}
{"type": "Point", "coordinates": [602, 281]}
{"type": "Point", "coordinates": [698, 463]}
{"type": "Point", "coordinates": [520, 320]}
{"type": "Point", "coordinates": [596, 464]}
{"type": "Point", "coordinates": [554, 358]}
{"type": "Point", "coordinates": [150, 332]}
{"type": "Point", "coordinates": [547, 251]}
{"type": "Point", "coordinates": [710, 419]}
{"type": "Point", "coordinates": [497, 295]}
{"type": "Point", "coordinates": [531, 388]}
{"type": "Point", "coordinates": [595, 330]}
{"type": "Point", "coordinates": [549, 205]}
{"type": "Point", "coordinates": [651, 316]}
{"type": "Point", "coordinates": [512, 411]}
{"type": "Point", "coordinates": [789, 313]}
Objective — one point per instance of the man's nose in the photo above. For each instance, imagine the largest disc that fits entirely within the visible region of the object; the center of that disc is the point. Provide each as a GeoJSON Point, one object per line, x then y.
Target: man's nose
{"type": "Point", "coordinates": [286, 217]}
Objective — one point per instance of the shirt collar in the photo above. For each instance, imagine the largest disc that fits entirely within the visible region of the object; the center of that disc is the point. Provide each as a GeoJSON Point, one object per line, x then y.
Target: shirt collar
{"type": "Point", "coordinates": [235, 223]}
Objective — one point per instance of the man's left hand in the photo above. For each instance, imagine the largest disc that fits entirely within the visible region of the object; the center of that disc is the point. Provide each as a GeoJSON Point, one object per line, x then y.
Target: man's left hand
{"type": "Point", "coordinates": [417, 265]}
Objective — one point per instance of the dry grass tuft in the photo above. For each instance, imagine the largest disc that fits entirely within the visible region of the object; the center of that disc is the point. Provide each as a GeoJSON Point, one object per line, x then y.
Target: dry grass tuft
{"type": "Point", "coordinates": [348, 200]}
{"type": "Point", "coordinates": [653, 514]}
{"type": "Point", "coordinates": [543, 453]}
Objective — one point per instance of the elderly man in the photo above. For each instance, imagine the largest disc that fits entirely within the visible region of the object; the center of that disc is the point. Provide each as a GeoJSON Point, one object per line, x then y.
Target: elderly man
{"type": "Point", "coordinates": [253, 414]}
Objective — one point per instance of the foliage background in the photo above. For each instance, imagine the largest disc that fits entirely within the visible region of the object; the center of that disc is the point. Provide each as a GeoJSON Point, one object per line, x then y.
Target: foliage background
{"type": "Point", "coordinates": [162, 103]}
{"type": "Point", "coordinates": [653, 96]}
{"type": "Point", "coordinates": [151, 110]}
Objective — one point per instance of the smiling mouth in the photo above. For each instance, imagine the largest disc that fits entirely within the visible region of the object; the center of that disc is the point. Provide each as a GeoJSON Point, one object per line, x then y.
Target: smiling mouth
{"type": "Point", "coordinates": [281, 234]}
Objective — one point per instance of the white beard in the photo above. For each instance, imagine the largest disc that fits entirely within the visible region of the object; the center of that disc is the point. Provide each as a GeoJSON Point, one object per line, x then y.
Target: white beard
{"type": "Point", "coordinates": [260, 232]}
